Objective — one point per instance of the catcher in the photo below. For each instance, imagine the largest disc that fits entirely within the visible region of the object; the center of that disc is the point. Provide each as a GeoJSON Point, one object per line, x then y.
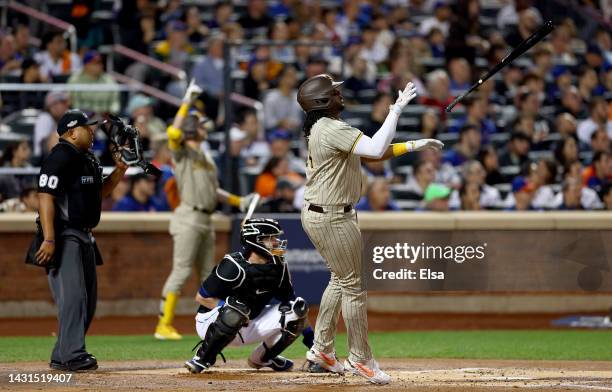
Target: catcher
{"type": "Point", "coordinates": [234, 302]}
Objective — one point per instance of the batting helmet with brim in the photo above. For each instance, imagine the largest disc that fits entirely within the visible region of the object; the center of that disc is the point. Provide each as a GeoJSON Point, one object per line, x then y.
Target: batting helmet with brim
{"type": "Point", "coordinates": [192, 122]}
{"type": "Point", "coordinates": [316, 92]}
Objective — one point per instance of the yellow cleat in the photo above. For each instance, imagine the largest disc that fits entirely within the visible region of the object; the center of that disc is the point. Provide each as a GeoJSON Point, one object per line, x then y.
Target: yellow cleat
{"type": "Point", "coordinates": [167, 332]}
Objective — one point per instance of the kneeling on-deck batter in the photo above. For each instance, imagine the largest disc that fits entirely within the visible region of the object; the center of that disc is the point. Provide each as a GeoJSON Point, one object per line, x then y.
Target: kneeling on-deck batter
{"type": "Point", "coordinates": [234, 302]}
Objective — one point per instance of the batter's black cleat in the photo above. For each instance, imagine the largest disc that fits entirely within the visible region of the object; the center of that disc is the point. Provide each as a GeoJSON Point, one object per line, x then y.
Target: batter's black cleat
{"type": "Point", "coordinates": [278, 364]}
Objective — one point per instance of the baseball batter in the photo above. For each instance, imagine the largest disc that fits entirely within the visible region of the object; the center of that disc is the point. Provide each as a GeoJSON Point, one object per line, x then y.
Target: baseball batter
{"type": "Point", "coordinates": [335, 151]}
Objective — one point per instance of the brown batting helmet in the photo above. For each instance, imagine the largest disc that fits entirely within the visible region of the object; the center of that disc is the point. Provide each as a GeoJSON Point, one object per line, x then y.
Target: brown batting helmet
{"type": "Point", "coordinates": [316, 92]}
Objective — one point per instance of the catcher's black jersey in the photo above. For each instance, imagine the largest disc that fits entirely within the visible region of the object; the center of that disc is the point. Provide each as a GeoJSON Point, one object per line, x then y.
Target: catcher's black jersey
{"type": "Point", "coordinates": [254, 284]}
{"type": "Point", "coordinates": [75, 179]}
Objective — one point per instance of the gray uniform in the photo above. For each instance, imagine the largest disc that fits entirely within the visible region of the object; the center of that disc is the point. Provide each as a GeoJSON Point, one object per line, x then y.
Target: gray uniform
{"type": "Point", "coordinates": [333, 183]}
{"type": "Point", "coordinates": [191, 224]}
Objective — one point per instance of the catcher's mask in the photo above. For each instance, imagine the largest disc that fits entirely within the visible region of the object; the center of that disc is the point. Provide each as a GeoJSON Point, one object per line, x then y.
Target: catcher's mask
{"type": "Point", "coordinates": [316, 92]}
{"type": "Point", "coordinates": [262, 236]}
{"type": "Point", "coordinates": [192, 122]}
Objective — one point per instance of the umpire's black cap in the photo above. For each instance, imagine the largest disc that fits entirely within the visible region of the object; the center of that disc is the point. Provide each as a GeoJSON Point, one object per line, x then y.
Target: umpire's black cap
{"type": "Point", "coordinates": [73, 118]}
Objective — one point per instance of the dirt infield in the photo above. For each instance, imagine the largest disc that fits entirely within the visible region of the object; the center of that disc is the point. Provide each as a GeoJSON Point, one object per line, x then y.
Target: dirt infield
{"type": "Point", "coordinates": [413, 375]}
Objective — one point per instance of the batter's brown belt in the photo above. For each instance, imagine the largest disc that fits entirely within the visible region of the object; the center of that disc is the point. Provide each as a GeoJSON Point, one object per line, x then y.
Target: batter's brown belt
{"type": "Point", "coordinates": [321, 210]}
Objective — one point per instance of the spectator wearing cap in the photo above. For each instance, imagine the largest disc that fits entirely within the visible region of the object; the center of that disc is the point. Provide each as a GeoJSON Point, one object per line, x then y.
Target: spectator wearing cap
{"type": "Point", "coordinates": [467, 148]}
{"type": "Point", "coordinates": [222, 14]}
{"type": "Point", "coordinates": [439, 20]}
{"type": "Point", "coordinates": [93, 74]}
{"type": "Point", "coordinates": [516, 151]}
{"type": "Point", "coordinates": [140, 197]}
{"type": "Point", "coordinates": [140, 110]}
{"type": "Point", "coordinates": [280, 147]}
{"type": "Point", "coordinates": [284, 197]}
{"type": "Point", "coordinates": [377, 198]}
{"type": "Point", "coordinates": [600, 141]}
{"type": "Point", "coordinates": [598, 119]}
{"type": "Point", "coordinates": [56, 104]}
{"type": "Point", "coordinates": [256, 82]}
{"type": "Point", "coordinates": [56, 60]}
{"type": "Point", "coordinates": [599, 172]}
{"type": "Point", "coordinates": [521, 196]}
{"type": "Point", "coordinates": [281, 109]}
{"type": "Point", "coordinates": [437, 198]}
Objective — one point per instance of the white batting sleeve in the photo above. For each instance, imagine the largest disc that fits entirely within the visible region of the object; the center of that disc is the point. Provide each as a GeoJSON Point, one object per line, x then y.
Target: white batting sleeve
{"type": "Point", "coordinates": [376, 146]}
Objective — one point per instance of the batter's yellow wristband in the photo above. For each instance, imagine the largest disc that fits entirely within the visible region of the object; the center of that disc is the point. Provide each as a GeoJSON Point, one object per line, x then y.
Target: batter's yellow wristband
{"type": "Point", "coordinates": [183, 110]}
{"type": "Point", "coordinates": [233, 200]}
{"type": "Point", "coordinates": [399, 149]}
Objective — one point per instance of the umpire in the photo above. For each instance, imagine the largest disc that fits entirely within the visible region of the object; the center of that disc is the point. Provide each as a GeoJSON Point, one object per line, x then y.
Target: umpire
{"type": "Point", "coordinates": [70, 192]}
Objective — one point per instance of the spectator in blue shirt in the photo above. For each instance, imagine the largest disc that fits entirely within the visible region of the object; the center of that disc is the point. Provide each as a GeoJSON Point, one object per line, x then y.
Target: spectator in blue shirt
{"type": "Point", "coordinates": [378, 197]}
{"type": "Point", "coordinates": [476, 114]}
{"type": "Point", "coordinates": [140, 198]}
{"type": "Point", "coordinates": [466, 149]}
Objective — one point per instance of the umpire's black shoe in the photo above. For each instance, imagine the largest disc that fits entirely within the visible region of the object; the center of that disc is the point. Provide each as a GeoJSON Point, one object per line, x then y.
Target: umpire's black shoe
{"type": "Point", "coordinates": [81, 363]}
{"type": "Point", "coordinates": [56, 365]}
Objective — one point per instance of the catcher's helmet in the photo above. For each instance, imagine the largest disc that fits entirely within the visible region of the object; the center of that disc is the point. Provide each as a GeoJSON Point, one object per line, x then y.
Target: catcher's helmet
{"type": "Point", "coordinates": [255, 231]}
{"type": "Point", "coordinates": [316, 92]}
{"type": "Point", "coordinates": [192, 122]}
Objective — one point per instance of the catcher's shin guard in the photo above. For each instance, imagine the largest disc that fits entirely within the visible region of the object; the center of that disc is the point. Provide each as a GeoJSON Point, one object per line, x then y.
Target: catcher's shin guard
{"type": "Point", "coordinates": [233, 316]}
{"type": "Point", "coordinates": [289, 332]}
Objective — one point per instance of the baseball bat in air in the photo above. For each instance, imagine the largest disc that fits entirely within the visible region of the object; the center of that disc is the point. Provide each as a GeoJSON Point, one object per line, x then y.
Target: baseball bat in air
{"type": "Point", "coordinates": [254, 203]}
{"type": "Point", "coordinates": [521, 48]}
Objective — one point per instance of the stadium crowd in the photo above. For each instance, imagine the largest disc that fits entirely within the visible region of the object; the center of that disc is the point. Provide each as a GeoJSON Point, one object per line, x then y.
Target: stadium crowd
{"type": "Point", "coordinates": [536, 137]}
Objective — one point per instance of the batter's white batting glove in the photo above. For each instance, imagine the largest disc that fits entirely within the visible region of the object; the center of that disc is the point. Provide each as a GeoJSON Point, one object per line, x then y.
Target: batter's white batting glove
{"type": "Point", "coordinates": [423, 144]}
{"type": "Point", "coordinates": [404, 98]}
{"type": "Point", "coordinates": [245, 201]}
{"type": "Point", "coordinates": [193, 91]}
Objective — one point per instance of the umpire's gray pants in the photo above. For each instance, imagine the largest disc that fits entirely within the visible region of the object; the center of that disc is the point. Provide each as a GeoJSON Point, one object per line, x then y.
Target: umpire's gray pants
{"type": "Point", "coordinates": [74, 290]}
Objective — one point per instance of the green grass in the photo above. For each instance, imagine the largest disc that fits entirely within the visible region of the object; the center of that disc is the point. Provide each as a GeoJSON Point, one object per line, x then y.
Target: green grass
{"type": "Point", "coordinates": [561, 345]}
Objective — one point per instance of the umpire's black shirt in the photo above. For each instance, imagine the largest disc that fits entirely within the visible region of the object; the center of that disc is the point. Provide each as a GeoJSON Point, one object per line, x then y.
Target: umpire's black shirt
{"type": "Point", "coordinates": [75, 179]}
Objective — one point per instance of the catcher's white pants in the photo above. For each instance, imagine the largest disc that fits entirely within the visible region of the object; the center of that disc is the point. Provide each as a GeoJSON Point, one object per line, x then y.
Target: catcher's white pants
{"type": "Point", "coordinates": [264, 328]}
